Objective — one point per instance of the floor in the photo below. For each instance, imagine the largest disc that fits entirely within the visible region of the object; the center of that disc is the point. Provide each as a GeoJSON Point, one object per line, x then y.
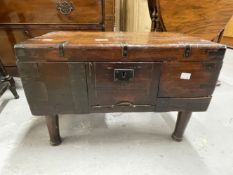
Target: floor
{"type": "Point", "coordinates": [122, 144]}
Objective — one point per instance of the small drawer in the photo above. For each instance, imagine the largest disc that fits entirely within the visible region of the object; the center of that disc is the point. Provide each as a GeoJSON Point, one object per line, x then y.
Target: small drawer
{"type": "Point", "coordinates": [52, 12]}
{"type": "Point", "coordinates": [123, 84]}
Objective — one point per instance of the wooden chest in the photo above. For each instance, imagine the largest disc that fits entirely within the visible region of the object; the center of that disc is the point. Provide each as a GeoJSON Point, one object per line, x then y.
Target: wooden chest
{"type": "Point", "coordinates": [83, 72]}
{"type": "Point", "coordinates": [24, 19]}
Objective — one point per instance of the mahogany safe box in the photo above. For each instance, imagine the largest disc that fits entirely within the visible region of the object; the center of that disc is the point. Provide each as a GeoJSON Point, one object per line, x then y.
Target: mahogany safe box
{"type": "Point", "coordinates": [92, 72]}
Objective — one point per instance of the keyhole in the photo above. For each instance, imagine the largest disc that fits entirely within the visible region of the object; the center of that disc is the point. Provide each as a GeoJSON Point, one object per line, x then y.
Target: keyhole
{"type": "Point", "coordinates": [124, 75]}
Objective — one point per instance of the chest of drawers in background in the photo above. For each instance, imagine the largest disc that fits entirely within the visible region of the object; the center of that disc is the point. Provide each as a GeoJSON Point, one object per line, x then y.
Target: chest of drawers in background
{"type": "Point", "coordinates": [24, 19]}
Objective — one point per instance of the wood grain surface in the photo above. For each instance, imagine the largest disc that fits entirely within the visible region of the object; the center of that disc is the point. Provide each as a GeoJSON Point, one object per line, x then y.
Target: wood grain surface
{"type": "Point", "coordinates": [227, 37]}
{"type": "Point", "coordinates": [45, 11]}
{"type": "Point", "coordinates": [205, 19]}
{"type": "Point", "coordinates": [140, 90]}
{"type": "Point", "coordinates": [108, 46]}
{"type": "Point", "coordinates": [24, 19]}
{"type": "Point", "coordinates": [74, 72]}
{"type": "Point", "coordinates": [50, 91]}
{"type": "Point", "coordinates": [201, 83]}
{"type": "Point", "coordinates": [81, 72]}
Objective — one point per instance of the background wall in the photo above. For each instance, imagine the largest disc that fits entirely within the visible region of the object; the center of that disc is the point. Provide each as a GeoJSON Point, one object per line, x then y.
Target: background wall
{"type": "Point", "coordinates": [228, 34]}
{"type": "Point", "coordinates": [132, 16]}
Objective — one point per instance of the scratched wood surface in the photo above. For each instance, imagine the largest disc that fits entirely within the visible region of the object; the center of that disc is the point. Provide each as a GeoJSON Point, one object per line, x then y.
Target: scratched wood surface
{"type": "Point", "coordinates": [50, 91]}
{"type": "Point", "coordinates": [205, 18]}
{"type": "Point", "coordinates": [141, 90]}
{"type": "Point", "coordinates": [107, 46]}
{"type": "Point", "coordinates": [74, 72]}
{"type": "Point", "coordinates": [77, 72]}
{"type": "Point", "coordinates": [201, 83]}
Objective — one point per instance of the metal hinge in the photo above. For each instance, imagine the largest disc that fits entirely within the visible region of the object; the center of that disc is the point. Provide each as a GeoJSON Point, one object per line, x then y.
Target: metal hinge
{"type": "Point", "coordinates": [125, 49]}
{"type": "Point", "coordinates": [61, 48]}
{"type": "Point", "coordinates": [187, 51]}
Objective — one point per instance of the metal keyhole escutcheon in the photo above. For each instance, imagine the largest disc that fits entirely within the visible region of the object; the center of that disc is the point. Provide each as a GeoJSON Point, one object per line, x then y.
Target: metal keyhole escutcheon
{"type": "Point", "coordinates": [123, 74]}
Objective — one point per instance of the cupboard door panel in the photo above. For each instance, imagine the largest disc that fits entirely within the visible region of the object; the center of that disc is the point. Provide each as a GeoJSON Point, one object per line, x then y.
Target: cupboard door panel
{"type": "Point", "coordinates": [188, 79]}
{"type": "Point", "coordinates": [55, 88]}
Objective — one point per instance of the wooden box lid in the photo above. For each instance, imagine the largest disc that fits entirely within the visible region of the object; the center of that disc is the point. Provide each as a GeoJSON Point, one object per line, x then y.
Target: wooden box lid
{"type": "Point", "coordinates": [118, 46]}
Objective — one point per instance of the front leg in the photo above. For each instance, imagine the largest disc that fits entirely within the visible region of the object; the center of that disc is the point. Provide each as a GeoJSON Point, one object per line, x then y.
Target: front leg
{"type": "Point", "coordinates": [181, 123]}
{"type": "Point", "coordinates": [53, 128]}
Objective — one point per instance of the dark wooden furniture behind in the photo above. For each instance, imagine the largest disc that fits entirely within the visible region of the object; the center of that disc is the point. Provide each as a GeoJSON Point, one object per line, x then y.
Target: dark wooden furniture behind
{"type": "Point", "coordinates": [6, 82]}
{"type": "Point", "coordinates": [81, 72]}
{"type": "Point", "coordinates": [24, 19]}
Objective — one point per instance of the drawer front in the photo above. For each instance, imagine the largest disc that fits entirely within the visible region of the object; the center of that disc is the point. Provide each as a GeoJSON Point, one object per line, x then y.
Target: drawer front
{"type": "Point", "coordinates": [123, 84]}
{"type": "Point", "coordinates": [57, 11]}
{"type": "Point", "coordinates": [188, 79]}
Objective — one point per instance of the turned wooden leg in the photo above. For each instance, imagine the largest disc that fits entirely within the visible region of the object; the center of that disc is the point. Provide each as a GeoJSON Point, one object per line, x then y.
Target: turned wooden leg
{"type": "Point", "coordinates": [53, 127]}
{"type": "Point", "coordinates": [181, 123]}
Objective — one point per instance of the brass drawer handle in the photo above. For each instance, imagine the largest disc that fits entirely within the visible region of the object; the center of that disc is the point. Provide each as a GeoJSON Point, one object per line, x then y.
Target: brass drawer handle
{"type": "Point", "coordinates": [65, 7]}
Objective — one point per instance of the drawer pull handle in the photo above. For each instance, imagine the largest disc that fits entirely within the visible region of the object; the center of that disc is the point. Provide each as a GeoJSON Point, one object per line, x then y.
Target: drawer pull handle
{"type": "Point", "coordinates": [65, 7]}
{"type": "Point", "coordinates": [125, 104]}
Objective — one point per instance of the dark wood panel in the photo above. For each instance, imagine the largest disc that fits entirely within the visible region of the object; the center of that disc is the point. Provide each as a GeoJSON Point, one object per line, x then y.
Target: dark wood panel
{"type": "Point", "coordinates": [12, 70]}
{"type": "Point", "coordinates": [78, 85]}
{"type": "Point", "coordinates": [140, 90]}
{"type": "Point", "coordinates": [182, 104]}
{"type": "Point", "coordinates": [188, 79]}
{"type": "Point", "coordinates": [55, 87]}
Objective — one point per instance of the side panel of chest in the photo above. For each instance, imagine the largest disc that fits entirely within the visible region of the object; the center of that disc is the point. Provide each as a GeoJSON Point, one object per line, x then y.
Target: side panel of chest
{"type": "Point", "coordinates": [55, 87]}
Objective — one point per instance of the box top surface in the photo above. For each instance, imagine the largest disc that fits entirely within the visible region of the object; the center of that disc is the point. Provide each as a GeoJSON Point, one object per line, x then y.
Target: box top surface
{"type": "Point", "coordinates": [99, 38]}
{"type": "Point", "coordinates": [117, 46]}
